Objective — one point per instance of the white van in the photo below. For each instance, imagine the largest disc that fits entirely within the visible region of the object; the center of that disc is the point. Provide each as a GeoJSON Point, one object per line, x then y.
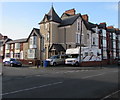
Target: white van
{"type": "Point", "coordinates": [87, 54]}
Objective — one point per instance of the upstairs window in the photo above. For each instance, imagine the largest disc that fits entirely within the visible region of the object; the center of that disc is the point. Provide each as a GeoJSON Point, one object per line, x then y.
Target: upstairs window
{"type": "Point", "coordinates": [93, 41]}
{"type": "Point", "coordinates": [104, 33]}
{"type": "Point", "coordinates": [11, 46]}
{"type": "Point", "coordinates": [77, 37]}
{"type": "Point", "coordinates": [7, 46]}
{"type": "Point", "coordinates": [78, 26]}
{"type": "Point", "coordinates": [17, 45]}
{"type": "Point", "coordinates": [47, 37]}
{"type": "Point", "coordinates": [33, 42]}
{"type": "Point", "coordinates": [114, 36]}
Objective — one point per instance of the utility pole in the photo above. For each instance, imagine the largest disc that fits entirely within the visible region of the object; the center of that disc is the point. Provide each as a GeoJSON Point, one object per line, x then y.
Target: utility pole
{"type": "Point", "coordinates": [80, 44]}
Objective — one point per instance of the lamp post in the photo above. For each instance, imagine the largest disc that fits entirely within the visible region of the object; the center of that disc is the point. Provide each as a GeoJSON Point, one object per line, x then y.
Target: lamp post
{"type": "Point", "coordinates": [80, 44]}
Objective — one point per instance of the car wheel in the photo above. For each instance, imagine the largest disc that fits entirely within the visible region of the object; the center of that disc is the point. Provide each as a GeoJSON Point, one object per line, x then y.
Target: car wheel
{"type": "Point", "coordinates": [54, 64]}
{"type": "Point", "coordinates": [11, 65]}
{"type": "Point", "coordinates": [76, 64]}
{"type": "Point", "coordinates": [3, 64]}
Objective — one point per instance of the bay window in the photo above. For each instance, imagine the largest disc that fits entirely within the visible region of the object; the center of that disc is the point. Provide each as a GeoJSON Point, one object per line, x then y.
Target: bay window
{"type": "Point", "coordinates": [32, 53]}
{"type": "Point", "coordinates": [33, 42]}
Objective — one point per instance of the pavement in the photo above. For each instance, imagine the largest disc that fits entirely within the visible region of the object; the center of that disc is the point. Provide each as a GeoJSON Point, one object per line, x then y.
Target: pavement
{"type": "Point", "coordinates": [61, 82]}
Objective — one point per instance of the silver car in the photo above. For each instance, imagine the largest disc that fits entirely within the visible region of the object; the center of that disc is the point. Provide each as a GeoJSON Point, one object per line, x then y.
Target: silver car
{"type": "Point", "coordinates": [57, 60]}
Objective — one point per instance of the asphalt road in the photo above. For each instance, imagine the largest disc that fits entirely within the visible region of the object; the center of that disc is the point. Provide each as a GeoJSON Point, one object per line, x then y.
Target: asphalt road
{"type": "Point", "coordinates": [60, 82]}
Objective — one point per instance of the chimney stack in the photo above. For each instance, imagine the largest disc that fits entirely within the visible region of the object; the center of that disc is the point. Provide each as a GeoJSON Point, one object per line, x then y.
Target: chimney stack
{"type": "Point", "coordinates": [85, 17]}
{"type": "Point", "coordinates": [110, 27]}
{"type": "Point", "coordinates": [70, 12]}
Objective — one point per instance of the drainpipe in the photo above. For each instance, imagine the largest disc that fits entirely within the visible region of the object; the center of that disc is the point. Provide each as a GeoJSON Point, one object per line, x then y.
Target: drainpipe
{"type": "Point", "coordinates": [49, 41]}
{"type": "Point", "coordinates": [80, 44]}
{"type": "Point", "coordinates": [65, 37]}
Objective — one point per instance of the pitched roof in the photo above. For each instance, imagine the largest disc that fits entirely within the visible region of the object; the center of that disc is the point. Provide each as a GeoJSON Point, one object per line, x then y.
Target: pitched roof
{"type": "Point", "coordinates": [64, 15]}
{"type": "Point", "coordinates": [51, 16]}
{"type": "Point", "coordinates": [57, 47]}
{"type": "Point", "coordinates": [18, 41]}
{"type": "Point", "coordinates": [89, 25]}
{"type": "Point", "coordinates": [36, 30]}
{"type": "Point", "coordinates": [7, 40]}
{"type": "Point", "coordinates": [69, 20]}
{"type": "Point", "coordinates": [102, 25]}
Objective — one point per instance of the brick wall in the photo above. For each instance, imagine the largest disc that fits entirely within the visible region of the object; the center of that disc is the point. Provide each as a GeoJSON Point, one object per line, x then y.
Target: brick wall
{"type": "Point", "coordinates": [30, 62]}
{"type": "Point", "coordinates": [94, 63]}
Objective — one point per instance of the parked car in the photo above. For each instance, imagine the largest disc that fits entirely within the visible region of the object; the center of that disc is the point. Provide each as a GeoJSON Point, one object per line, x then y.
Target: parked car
{"type": "Point", "coordinates": [57, 60]}
{"type": "Point", "coordinates": [118, 61]}
{"type": "Point", "coordinates": [11, 62]}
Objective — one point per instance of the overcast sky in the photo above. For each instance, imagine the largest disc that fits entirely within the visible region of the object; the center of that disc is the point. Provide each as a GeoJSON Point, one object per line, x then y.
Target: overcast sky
{"type": "Point", "coordinates": [19, 18]}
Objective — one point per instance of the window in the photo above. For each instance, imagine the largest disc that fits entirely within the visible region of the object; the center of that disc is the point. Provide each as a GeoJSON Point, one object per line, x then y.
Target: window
{"type": "Point", "coordinates": [86, 53]}
{"type": "Point", "coordinates": [7, 55]}
{"type": "Point", "coordinates": [77, 37]}
{"type": "Point", "coordinates": [114, 44]}
{"type": "Point", "coordinates": [33, 42]}
{"type": "Point", "coordinates": [7, 47]}
{"type": "Point", "coordinates": [11, 54]}
{"type": "Point", "coordinates": [104, 54]}
{"type": "Point", "coordinates": [114, 36]}
{"type": "Point", "coordinates": [47, 36]}
{"type": "Point", "coordinates": [91, 53]}
{"type": "Point", "coordinates": [17, 45]}
{"type": "Point", "coordinates": [93, 41]}
{"type": "Point", "coordinates": [31, 53]}
{"type": "Point", "coordinates": [1, 48]}
{"type": "Point", "coordinates": [17, 55]}
{"type": "Point", "coordinates": [104, 43]}
{"type": "Point", "coordinates": [78, 26]}
{"type": "Point", "coordinates": [104, 33]}
{"type": "Point", "coordinates": [87, 36]}
{"type": "Point", "coordinates": [21, 55]}
{"type": "Point", "coordinates": [46, 26]}
{"type": "Point", "coordinates": [11, 46]}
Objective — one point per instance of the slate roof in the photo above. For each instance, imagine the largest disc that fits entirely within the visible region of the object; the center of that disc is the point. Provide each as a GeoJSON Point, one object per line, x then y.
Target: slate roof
{"type": "Point", "coordinates": [18, 41]}
{"type": "Point", "coordinates": [69, 21]}
{"type": "Point", "coordinates": [64, 15]}
{"type": "Point", "coordinates": [58, 47]}
{"type": "Point", "coordinates": [52, 16]}
{"type": "Point", "coordinates": [7, 40]}
{"type": "Point", "coordinates": [37, 31]}
{"type": "Point", "coordinates": [111, 30]}
{"type": "Point", "coordinates": [89, 25]}
{"type": "Point", "coordinates": [102, 26]}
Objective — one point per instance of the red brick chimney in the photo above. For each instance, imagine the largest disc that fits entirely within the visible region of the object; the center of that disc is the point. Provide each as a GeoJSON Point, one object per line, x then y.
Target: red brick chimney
{"type": "Point", "coordinates": [70, 12]}
{"type": "Point", "coordinates": [85, 17]}
{"type": "Point", "coordinates": [110, 27]}
{"type": "Point", "coordinates": [5, 37]}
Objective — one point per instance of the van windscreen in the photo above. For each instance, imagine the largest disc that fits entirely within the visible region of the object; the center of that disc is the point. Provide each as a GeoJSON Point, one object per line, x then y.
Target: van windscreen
{"type": "Point", "coordinates": [73, 56]}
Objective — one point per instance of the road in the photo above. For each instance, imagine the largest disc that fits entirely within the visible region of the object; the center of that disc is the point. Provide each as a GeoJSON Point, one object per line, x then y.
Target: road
{"type": "Point", "coordinates": [60, 82]}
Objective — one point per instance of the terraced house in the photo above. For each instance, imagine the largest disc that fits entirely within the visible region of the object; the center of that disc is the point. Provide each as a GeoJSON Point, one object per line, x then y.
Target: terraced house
{"type": "Point", "coordinates": [56, 34]}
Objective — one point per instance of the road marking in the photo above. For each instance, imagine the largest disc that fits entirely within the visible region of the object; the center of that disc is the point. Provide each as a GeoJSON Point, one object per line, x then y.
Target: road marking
{"type": "Point", "coordinates": [27, 89]}
{"type": "Point", "coordinates": [110, 95]}
{"type": "Point", "coordinates": [92, 76]}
